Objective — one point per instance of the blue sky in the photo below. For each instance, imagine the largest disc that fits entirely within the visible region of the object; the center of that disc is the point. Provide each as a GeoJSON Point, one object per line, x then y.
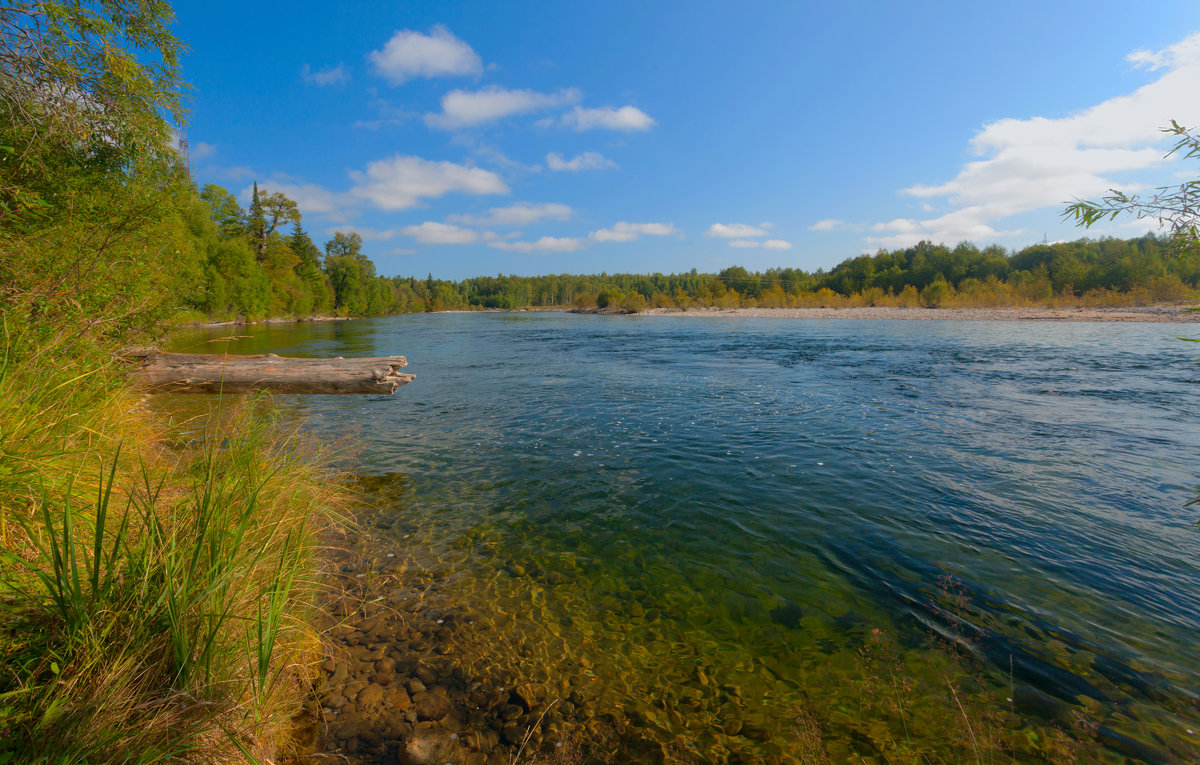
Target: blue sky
{"type": "Point", "coordinates": [471, 138]}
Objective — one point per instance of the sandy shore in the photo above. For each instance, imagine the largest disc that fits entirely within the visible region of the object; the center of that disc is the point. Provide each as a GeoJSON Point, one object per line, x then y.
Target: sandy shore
{"type": "Point", "coordinates": [1155, 313]}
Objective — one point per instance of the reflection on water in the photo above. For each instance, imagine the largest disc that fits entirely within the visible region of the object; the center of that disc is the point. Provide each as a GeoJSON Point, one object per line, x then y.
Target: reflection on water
{"type": "Point", "coordinates": [706, 530]}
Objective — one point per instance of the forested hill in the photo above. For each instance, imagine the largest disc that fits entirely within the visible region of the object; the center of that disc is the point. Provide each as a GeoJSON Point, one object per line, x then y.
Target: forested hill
{"type": "Point", "coordinates": [260, 262]}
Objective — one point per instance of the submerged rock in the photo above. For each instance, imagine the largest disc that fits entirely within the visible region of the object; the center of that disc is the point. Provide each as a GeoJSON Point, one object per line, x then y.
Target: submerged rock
{"type": "Point", "coordinates": [431, 748]}
{"type": "Point", "coordinates": [335, 701]}
{"type": "Point", "coordinates": [431, 706]}
{"type": "Point", "coordinates": [371, 696]}
{"type": "Point", "coordinates": [397, 698]}
{"type": "Point", "coordinates": [525, 696]}
{"type": "Point", "coordinates": [788, 615]}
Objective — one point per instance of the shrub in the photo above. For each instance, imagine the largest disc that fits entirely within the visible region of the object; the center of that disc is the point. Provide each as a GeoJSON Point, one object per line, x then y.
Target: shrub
{"type": "Point", "coordinates": [609, 298]}
{"type": "Point", "coordinates": [935, 293]}
{"type": "Point", "coordinates": [634, 302]}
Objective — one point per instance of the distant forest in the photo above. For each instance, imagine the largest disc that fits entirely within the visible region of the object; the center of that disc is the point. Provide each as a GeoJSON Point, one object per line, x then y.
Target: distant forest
{"type": "Point", "coordinates": [260, 262]}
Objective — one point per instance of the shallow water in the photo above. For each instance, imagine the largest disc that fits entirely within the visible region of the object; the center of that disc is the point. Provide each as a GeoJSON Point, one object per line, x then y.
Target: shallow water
{"type": "Point", "coordinates": [704, 526]}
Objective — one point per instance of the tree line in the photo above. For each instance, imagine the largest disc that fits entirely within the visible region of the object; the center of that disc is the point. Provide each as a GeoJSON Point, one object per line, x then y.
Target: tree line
{"type": "Point", "coordinates": [1142, 269]}
{"type": "Point", "coordinates": [260, 261]}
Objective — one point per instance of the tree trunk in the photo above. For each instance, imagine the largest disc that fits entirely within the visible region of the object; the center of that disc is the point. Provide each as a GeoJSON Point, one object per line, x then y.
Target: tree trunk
{"type": "Point", "coordinates": [219, 373]}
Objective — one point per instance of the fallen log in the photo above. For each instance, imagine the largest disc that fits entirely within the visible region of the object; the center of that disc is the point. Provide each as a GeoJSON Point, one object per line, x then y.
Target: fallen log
{"type": "Point", "coordinates": [219, 373]}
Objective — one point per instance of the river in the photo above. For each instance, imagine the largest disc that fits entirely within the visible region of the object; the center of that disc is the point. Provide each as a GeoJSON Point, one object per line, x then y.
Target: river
{"type": "Point", "coordinates": [843, 529]}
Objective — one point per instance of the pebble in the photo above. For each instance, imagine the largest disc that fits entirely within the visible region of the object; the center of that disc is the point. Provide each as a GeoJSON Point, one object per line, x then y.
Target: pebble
{"type": "Point", "coordinates": [426, 675]}
{"type": "Point", "coordinates": [373, 655]}
{"type": "Point", "coordinates": [370, 696]}
{"type": "Point", "coordinates": [512, 735]}
{"type": "Point", "coordinates": [397, 698]}
{"type": "Point", "coordinates": [431, 706]}
{"type": "Point", "coordinates": [525, 696]}
{"type": "Point", "coordinates": [336, 701]}
{"type": "Point", "coordinates": [340, 674]}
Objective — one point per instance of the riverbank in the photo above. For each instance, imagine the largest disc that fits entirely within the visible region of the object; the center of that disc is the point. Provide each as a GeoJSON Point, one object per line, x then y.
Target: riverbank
{"type": "Point", "coordinates": [1152, 313]}
{"type": "Point", "coordinates": [157, 595]}
{"type": "Point", "coordinates": [272, 320]}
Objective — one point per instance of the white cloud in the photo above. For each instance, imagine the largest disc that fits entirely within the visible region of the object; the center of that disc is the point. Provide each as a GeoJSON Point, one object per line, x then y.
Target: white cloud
{"type": "Point", "coordinates": [545, 244]}
{"type": "Point", "coordinates": [627, 119]}
{"type": "Point", "coordinates": [234, 174]}
{"type": "Point", "coordinates": [497, 158]}
{"type": "Point", "coordinates": [1038, 163]}
{"type": "Point", "coordinates": [1145, 59]}
{"type": "Point", "coordinates": [366, 232]}
{"type": "Point", "coordinates": [201, 150]}
{"type": "Point", "coordinates": [743, 243]}
{"type": "Point", "coordinates": [627, 232]}
{"type": "Point", "coordinates": [520, 214]}
{"type": "Point", "coordinates": [829, 224]}
{"type": "Point", "coordinates": [901, 225]}
{"type": "Point", "coordinates": [777, 244]}
{"type": "Point", "coordinates": [1185, 51]}
{"type": "Point", "coordinates": [403, 181]}
{"type": "Point", "coordinates": [461, 108]}
{"type": "Point", "coordinates": [589, 160]}
{"type": "Point", "coordinates": [331, 75]}
{"type": "Point", "coordinates": [956, 226]}
{"type": "Point", "coordinates": [431, 232]}
{"type": "Point", "coordinates": [735, 230]}
{"type": "Point", "coordinates": [411, 54]}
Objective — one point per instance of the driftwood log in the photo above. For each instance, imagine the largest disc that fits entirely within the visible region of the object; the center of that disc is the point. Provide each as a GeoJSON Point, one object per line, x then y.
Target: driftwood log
{"type": "Point", "coordinates": [220, 373]}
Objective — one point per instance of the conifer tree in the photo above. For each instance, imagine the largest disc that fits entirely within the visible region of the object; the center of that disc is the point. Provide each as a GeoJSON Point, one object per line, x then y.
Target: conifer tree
{"type": "Point", "coordinates": [256, 224]}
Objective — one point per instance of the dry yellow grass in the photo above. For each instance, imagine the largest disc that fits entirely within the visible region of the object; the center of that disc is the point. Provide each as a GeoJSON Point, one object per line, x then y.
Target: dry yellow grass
{"type": "Point", "coordinates": [156, 592]}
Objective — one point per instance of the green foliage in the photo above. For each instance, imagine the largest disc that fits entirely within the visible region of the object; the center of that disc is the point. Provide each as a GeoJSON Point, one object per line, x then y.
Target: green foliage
{"type": "Point", "coordinates": [81, 82]}
{"type": "Point", "coordinates": [224, 210]}
{"type": "Point", "coordinates": [91, 238]}
{"type": "Point", "coordinates": [609, 298]}
{"type": "Point", "coordinates": [153, 600]}
{"type": "Point", "coordinates": [935, 293]}
{"type": "Point", "coordinates": [633, 303]}
{"type": "Point", "coordinates": [344, 245]}
{"type": "Point", "coordinates": [267, 213]}
{"type": "Point", "coordinates": [141, 584]}
{"type": "Point", "coordinates": [1175, 207]}
{"type": "Point", "coordinates": [357, 291]}
{"type": "Point", "coordinates": [1105, 271]}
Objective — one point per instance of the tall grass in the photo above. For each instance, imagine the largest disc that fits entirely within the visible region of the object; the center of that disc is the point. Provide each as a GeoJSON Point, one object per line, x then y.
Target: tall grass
{"type": "Point", "coordinates": [155, 592]}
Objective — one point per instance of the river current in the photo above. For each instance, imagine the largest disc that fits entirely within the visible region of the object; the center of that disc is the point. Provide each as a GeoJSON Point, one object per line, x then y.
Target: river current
{"type": "Point", "coordinates": [737, 534]}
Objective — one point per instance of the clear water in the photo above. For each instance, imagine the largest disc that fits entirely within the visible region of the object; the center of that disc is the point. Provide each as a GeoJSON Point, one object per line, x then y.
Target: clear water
{"type": "Point", "coordinates": [693, 521]}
